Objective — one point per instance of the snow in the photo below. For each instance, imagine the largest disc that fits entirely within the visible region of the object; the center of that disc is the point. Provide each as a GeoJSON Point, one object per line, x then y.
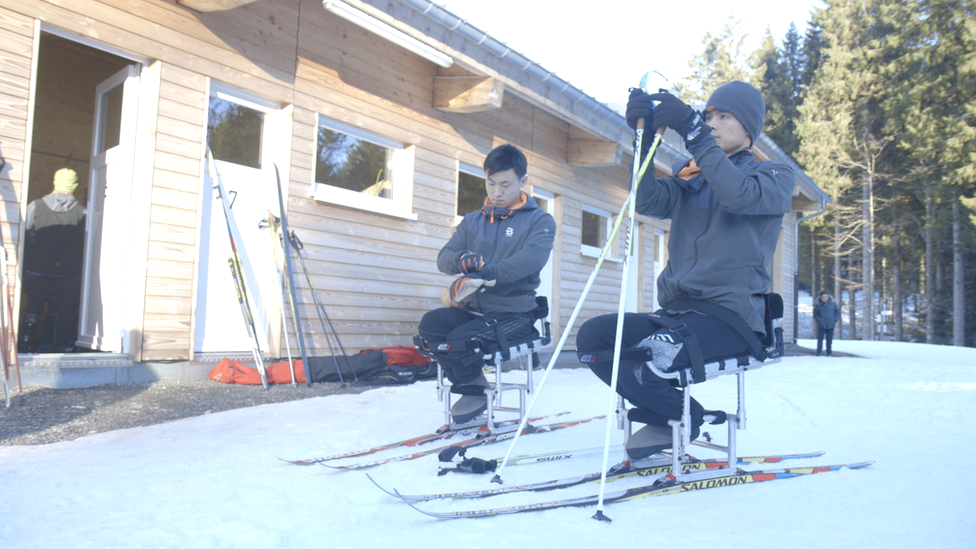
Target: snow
{"type": "Point", "coordinates": [216, 480]}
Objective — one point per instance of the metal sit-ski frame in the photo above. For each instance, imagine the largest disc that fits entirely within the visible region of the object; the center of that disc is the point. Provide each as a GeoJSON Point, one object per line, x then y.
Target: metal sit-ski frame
{"type": "Point", "coordinates": [681, 429]}
{"type": "Point", "coordinates": [524, 353]}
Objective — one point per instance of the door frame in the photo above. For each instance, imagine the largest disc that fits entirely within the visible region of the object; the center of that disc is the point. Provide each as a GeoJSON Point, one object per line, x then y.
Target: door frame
{"type": "Point", "coordinates": [97, 321]}
{"type": "Point", "coordinates": [147, 93]}
{"type": "Point", "coordinates": [275, 151]}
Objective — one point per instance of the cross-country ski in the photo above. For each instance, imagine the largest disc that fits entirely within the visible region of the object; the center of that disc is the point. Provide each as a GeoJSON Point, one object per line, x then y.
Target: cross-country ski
{"type": "Point", "coordinates": [237, 267]}
{"type": "Point", "coordinates": [481, 440]}
{"type": "Point", "coordinates": [651, 489]}
{"type": "Point", "coordinates": [661, 467]}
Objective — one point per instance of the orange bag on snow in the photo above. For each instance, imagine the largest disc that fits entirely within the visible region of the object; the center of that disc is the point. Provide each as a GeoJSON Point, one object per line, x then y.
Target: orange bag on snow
{"type": "Point", "coordinates": [230, 371]}
{"type": "Point", "coordinates": [396, 364]}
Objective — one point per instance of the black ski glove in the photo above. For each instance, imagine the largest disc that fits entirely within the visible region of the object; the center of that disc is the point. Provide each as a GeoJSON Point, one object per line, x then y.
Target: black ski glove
{"type": "Point", "coordinates": [673, 113]}
{"type": "Point", "coordinates": [639, 106]}
{"type": "Point", "coordinates": [470, 262]}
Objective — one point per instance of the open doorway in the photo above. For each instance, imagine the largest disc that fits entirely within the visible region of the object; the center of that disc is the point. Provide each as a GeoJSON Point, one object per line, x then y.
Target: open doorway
{"type": "Point", "coordinates": [68, 77]}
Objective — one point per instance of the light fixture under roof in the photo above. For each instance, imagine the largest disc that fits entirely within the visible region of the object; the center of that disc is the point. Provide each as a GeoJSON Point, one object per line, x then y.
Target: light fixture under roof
{"type": "Point", "coordinates": [387, 32]}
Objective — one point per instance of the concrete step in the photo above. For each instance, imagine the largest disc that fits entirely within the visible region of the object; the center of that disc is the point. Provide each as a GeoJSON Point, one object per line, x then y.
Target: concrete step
{"type": "Point", "coordinates": [72, 370]}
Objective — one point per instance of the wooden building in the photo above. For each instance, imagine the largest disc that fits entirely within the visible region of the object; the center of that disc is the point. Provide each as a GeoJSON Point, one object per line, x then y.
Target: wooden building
{"type": "Point", "coordinates": [129, 92]}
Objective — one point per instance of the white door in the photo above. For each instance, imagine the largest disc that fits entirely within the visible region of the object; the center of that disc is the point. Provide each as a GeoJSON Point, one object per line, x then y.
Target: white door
{"type": "Point", "coordinates": [101, 316]}
{"type": "Point", "coordinates": [247, 174]}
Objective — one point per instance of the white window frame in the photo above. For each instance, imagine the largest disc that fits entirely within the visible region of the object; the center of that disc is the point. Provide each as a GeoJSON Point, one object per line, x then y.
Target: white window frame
{"type": "Point", "coordinates": [592, 251]}
{"type": "Point", "coordinates": [470, 169]}
{"type": "Point", "coordinates": [273, 121]}
{"type": "Point", "coordinates": [400, 203]}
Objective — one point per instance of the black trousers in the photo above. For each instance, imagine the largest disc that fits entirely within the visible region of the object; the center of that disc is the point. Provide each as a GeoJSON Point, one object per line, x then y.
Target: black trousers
{"type": "Point", "coordinates": [469, 335]}
{"type": "Point", "coordinates": [66, 292]}
{"type": "Point", "coordinates": [658, 397]}
{"type": "Point", "coordinates": [825, 333]}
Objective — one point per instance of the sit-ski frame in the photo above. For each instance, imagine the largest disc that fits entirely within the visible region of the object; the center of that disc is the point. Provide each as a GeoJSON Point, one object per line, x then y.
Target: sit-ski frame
{"type": "Point", "coordinates": [681, 429]}
{"type": "Point", "coordinates": [521, 352]}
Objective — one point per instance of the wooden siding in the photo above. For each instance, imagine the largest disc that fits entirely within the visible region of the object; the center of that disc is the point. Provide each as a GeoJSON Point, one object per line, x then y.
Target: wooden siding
{"type": "Point", "coordinates": [16, 54]}
{"type": "Point", "coordinates": [376, 274]}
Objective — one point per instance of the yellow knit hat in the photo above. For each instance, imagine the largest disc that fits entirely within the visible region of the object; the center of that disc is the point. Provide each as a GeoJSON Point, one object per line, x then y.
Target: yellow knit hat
{"type": "Point", "coordinates": [65, 180]}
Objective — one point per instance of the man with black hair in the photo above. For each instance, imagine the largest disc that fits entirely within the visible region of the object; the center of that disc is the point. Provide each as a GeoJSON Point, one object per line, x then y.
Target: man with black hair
{"type": "Point", "coordinates": [726, 209]}
{"type": "Point", "coordinates": [498, 251]}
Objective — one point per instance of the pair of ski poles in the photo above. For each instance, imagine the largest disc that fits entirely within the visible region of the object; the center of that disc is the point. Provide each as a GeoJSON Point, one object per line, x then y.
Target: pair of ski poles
{"type": "Point", "coordinates": [8, 343]}
{"type": "Point", "coordinates": [328, 329]}
{"type": "Point", "coordinates": [640, 166]}
{"type": "Point", "coordinates": [237, 274]}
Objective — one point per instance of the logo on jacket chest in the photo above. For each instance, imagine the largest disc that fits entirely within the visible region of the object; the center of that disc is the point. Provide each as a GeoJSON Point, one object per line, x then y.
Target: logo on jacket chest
{"type": "Point", "coordinates": [509, 232]}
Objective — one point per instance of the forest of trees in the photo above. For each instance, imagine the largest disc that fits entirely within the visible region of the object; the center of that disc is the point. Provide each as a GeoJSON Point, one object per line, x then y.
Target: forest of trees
{"type": "Point", "coordinates": [877, 103]}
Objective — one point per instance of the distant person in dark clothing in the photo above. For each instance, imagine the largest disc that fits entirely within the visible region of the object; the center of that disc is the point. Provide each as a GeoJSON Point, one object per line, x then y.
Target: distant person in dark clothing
{"type": "Point", "coordinates": [826, 313]}
{"type": "Point", "coordinates": [53, 252]}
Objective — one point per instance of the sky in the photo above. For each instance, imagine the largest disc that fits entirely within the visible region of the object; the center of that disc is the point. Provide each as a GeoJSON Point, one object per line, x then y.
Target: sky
{"type": "Point", "coordinates": [216, 480]}
{"type": "Point", "coordinates": [604, 47]}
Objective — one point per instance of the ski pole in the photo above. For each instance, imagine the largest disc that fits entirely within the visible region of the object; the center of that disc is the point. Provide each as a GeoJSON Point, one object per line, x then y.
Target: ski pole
{"type": "Point", "coordinates": [276, 251]}
{"type": "Point", "coordinates": [576, 311]}
{"type": "Point", "coordinates": [315, 298]}
{"type": "Point", "coordinates": [624, 286]}
{"type": "Point", "coordinates": [291, 283]}
{"type": "Point", "coordinates": [320, 307]}
{"type": "Point", "coordinates": [9, 345]}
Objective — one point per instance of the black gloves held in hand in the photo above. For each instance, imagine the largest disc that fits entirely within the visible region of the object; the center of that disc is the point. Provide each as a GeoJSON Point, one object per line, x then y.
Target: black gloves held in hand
{"type": "Point", "coordinates": [470, 262]}
{"type": "Point", "coordinates": [639, 106]}
{"type": "Point", "coordinates": [673, 113]}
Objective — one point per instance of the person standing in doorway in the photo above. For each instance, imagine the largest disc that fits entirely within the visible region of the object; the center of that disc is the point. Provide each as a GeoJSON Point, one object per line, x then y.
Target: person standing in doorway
{"type": "Point", "coordinates": [53, 253]}
{"type": "Point", "coordinates": [826, 313]}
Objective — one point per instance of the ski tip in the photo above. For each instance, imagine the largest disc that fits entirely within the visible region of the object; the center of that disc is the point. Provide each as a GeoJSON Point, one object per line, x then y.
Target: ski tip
{"type": "Point", "coordinates": [302, 462]}
{"type": "Point", "coordinates": [414, 507]}
{"type": "Point", "coordinates": [389, 493]}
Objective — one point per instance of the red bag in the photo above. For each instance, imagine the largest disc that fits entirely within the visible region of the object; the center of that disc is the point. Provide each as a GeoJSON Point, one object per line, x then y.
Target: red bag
{"type": "Point", "coordinates": [404, 364]}
{"type": "Point", "coordinates": [229, 371]}
{"type": "Point", "coordinates": [402, 355]}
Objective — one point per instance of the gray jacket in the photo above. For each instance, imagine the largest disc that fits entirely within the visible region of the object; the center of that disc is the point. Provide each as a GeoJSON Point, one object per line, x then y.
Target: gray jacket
{"type": "Point", "coordinates": [725, 222]}
{"type": "Point", "coordinates": [515, 244]}
{"type": "Point", "coordinates": [827, 314]}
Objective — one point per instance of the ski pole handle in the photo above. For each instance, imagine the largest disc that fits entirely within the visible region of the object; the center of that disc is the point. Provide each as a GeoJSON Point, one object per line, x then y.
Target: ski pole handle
{"type": "Point", "coordinates": [295, 242]}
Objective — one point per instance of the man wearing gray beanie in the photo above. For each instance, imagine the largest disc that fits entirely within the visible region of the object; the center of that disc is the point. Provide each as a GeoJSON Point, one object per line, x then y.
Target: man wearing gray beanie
{"type": "Point", "coordinates": [726, 209]}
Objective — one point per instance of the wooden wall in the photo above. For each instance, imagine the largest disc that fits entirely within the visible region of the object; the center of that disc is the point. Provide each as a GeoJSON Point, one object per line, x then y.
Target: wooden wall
{"type": "Point", "coordinates": [376, 274]}
{"type": "Point", "coordinates": [16, 53]}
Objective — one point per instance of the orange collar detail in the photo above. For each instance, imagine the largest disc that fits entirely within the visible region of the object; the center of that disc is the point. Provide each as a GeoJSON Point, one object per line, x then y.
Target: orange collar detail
{"type": "Point", "coordinates": [689, 171]}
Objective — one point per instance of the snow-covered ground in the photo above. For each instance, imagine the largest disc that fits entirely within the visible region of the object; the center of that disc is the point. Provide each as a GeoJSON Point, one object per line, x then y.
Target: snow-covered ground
{"type": "Point", "coordinates": [216, 480]}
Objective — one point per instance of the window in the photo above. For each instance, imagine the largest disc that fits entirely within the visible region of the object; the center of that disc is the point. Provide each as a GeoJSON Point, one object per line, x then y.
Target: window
{"type": "Point", "coordinates": [470, 189]}
{"type": "Point", "coordinates": [594, 230]}
{"type": "Point", "coordinates": [361, 169]}
{"type": "Point", "coordinates": [234, 132]}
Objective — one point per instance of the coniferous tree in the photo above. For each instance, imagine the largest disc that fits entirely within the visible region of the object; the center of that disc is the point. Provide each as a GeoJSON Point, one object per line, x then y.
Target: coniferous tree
{"type": "Point", "coordinates": [722, 60]}
{"type": "Point", "coordinates": [932, 110]}
{"type": "Point", "coordinates": [841, 129]}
